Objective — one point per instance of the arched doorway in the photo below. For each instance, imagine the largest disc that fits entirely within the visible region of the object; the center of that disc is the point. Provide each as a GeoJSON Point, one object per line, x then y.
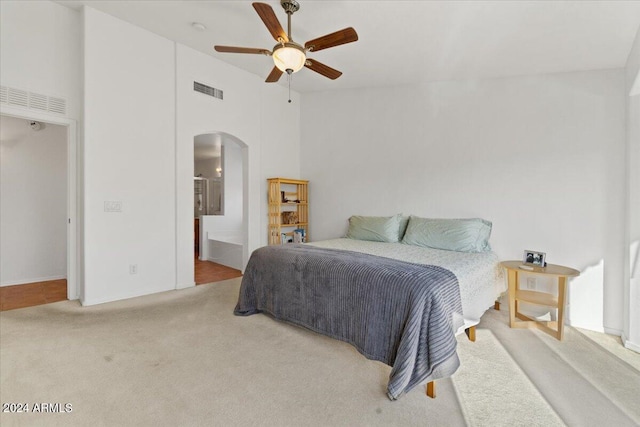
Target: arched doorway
{"type": "Point", "coordinates": [220, 215]}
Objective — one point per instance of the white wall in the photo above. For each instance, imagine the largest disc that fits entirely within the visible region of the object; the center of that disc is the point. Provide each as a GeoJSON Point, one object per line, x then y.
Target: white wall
{"type": "Point", "coordinates": [40, 50]}
{"type": "Point", "coordinates": [217, 231]}
{"type": "Point", "coordinates": [229, 225]}
{"type": "Point", "coordinates": [33, 202]}
{"type": "Point", "coordinates": [141, 110]}
{"type": "Point", "coordinates": [257, 115]}
{"type": "Point", "coordinates": [233, 188]}
{"type": "Point", "coordinates": [569, 115]}
{"type": "Point", "coordinates": [542, 157]}
{"type": "Point", "coordinates": [206, 168]}
{"type": "Point", "coordinates": [208, 154]}
{"type": "Point", "coordinates": [281, 132]}
{"type": "Point", "coordinates": [632, 278]}
{"type": "Point", "coordinates": [129, 156]}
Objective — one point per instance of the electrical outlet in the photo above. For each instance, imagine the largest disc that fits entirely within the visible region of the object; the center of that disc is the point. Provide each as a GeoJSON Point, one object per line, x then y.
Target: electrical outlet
{"type": "Point", "coordinates": [133, 269]}
{"type": "Point", "coordinates": [531, 282]}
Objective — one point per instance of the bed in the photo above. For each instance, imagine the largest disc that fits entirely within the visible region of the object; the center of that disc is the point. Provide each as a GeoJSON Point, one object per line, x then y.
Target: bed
{"type": "Point", "coordinates": [480, 277]}
{"type": "Point", "coordinates": [382, 290]}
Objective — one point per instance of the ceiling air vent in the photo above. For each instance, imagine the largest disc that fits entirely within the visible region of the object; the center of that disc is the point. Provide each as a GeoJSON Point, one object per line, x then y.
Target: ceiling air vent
{"type": "Point", "coordinates": [32, 100]}
{"type": "Point", "coordinates": [207, 90]}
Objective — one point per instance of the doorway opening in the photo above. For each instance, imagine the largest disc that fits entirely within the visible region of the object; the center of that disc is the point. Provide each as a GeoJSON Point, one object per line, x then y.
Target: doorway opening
{"type": "Point", "coordinates": [219, 206]}
{"type": "Point", "coordinates": [38, 205]}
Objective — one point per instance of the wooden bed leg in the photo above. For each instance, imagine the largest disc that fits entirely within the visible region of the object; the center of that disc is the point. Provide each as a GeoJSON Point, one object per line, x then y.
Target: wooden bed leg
{"type": "Point", "coordinates": [431, 389]}
{"type": "Point", "coordinates": [471, 333]}
{"type": "Point", "coordinates": [496, 306]}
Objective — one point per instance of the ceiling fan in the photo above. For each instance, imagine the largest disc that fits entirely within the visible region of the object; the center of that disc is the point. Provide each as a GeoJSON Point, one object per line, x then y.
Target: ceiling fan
{"type": "Point", "coordinates": [289, 56]}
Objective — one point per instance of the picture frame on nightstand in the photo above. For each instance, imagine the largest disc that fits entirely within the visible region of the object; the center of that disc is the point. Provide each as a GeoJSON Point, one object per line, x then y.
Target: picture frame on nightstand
{"type": "Point", "coordinates": [534, 258]}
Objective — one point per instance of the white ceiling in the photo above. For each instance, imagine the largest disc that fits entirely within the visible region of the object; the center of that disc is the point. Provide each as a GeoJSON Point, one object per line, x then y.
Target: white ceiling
{"type": "Point", "coordinates": [404, 42]}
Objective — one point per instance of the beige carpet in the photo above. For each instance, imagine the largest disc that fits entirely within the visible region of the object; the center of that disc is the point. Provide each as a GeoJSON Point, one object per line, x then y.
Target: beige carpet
{"type": "Point", "coordinates": [488, 376]}
{"type": "Point", "coordinates": [182, 358]}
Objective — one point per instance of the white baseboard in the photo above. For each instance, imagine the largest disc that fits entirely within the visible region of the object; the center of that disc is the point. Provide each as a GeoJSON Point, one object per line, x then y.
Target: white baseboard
{"type": "Point", "coordinates": [185, 286]}
{"type": "Point", "coordinates": [89, 302]}
{"type": "Point", "coordinates": [630, 344]}
{"type": "Point", "coordinates": [32, 280]}
{"type": "Point", "coordinates": [610, 331]}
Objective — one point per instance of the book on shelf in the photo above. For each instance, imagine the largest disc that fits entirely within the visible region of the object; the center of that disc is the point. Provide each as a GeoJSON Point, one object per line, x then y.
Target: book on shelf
{"type": "Point", "coordinates": [299, 235]}
{"type": "Point", "coordinates": [296, 236]}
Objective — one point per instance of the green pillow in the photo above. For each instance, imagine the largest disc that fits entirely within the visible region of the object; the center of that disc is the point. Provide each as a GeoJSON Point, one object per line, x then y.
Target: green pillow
{"type": "Point", "coordinates": [462, 235]}
{"type": "Point", "coordinates": [376, 228]}
{"type": "Point", "coordinates": [404, 221]}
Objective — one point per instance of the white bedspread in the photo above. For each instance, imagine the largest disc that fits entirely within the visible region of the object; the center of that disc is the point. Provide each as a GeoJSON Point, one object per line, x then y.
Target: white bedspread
{"type": "Point", "coordinates": [480, 276]}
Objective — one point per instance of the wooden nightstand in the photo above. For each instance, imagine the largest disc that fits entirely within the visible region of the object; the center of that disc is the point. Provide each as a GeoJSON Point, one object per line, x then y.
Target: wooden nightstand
{"type": "Point", "coordinates": [553, 328]}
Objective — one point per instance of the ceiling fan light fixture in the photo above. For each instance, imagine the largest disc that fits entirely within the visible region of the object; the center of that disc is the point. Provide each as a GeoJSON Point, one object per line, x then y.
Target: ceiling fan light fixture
{"type": "Point", "coordinates": [289, 57]}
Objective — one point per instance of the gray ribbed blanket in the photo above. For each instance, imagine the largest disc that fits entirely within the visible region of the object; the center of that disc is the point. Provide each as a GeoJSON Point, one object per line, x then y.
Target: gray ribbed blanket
{"type": "Point", "coordinates": [402, 314]}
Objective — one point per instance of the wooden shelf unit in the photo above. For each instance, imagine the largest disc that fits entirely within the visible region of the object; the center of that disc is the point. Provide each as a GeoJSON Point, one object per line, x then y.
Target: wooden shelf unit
{"type": "Point", "coordinates": [294, 189]}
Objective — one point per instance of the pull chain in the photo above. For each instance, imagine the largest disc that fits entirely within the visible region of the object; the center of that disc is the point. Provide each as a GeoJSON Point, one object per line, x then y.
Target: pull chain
{"type": "Point", "coordinates": [289, 80]}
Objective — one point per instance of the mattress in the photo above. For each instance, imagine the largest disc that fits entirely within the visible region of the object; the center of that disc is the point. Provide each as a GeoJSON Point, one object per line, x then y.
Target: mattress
{"type": "Point", "coordinates": [480, 277]}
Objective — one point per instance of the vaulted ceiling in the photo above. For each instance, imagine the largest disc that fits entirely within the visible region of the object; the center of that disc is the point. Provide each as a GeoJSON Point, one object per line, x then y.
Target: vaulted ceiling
{"type": "Point", "coordinates": [404, 42]}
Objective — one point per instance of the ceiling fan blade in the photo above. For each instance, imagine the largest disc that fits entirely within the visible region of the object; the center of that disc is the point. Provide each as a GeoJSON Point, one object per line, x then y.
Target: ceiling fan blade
{"type": "Point", "coordinates": [274, 76]}
{"type": "Point", "coordinates": [271, 21]}
{"type": "Point", "coordinates": [347, 35]}
{"type": "Point", "coordinates": [320, 68]}
{"type": "Point", "coordinates": [234, 49]}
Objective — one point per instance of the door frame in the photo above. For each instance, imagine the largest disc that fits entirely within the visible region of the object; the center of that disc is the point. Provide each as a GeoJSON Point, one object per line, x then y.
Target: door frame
{"type": "Point", "coordinates": [73, 214]}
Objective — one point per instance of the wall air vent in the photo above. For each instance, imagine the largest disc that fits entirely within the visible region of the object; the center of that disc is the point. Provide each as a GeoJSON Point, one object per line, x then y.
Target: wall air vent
{"type": "Point", "coordinates": [207, 90]}
{"type": "Point", "coordinates": [38, 102]}
{"type": "Point", "coordinates": [32, 100]}
{"type": "Point", "coordinates": [19, 98]}
{"type": "Point", "coordinates": [57, 105]}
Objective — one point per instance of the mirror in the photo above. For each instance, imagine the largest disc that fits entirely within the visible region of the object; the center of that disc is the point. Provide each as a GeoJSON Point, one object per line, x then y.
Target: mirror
{"type": "Point", "coordinates": [208, 176]}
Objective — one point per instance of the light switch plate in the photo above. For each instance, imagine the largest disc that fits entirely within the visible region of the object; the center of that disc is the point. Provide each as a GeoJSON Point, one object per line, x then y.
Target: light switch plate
{"type": "Point", "coordinates": [113, 206]}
